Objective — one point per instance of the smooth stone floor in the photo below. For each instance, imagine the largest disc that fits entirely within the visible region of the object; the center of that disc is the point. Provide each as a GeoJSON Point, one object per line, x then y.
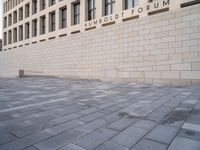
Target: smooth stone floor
{"type": "Point", "coordinates": [51, 114]}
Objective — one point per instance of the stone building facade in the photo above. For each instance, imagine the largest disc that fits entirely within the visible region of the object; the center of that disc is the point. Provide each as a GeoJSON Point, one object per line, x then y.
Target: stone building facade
{"type": "Point", "coordinates": [1, 47]}
{"type": "Point", "coordinates": [116, 40]}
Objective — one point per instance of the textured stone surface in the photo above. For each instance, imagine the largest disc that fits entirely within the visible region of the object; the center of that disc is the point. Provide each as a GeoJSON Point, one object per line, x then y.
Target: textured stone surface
{"type": "Point", "coordinates": [86, 115]}
{"type": "Point", "coordinates": [163, 134]}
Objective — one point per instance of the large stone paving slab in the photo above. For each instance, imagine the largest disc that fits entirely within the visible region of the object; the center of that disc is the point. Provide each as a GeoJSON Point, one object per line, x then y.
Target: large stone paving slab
{"type": "Point", "coordinates": [51, 114]}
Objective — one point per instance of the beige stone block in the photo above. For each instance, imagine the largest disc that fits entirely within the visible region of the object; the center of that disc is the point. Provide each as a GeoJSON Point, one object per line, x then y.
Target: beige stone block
{"type": "Point", "coordinates": [175, 56]}
{"type": "Point", "coordinates": [162, 81]}
{"type": "Point", "coordinates": [191, 42]}
{"type": "Point", "coordinates": [171, 74]}
{"type": "Point", "coordinates": [162, 34]}
{"type": "Point", "coordinates": [181, 82]}
{"type": "Point", "coordinates": [190, 74]}
{"type": "Point", "coordinates": [168, 62]}
{"type": "Point", "coordinates": [145, 63]}
{"type": "Point", "coordinates": [161, 68]}
{"type": "Point", "coordinates": [153, 75]}
{"type": "Point", "coordinates": [183, 37]}
{"type": "Point", "coordinates": [169, 51]}
{"type": "Point", "coordinates": [155, 52]}
{"type": "Point", "coordinates": [135, 74]}
{"type": "Point", "coordinates": [184, 66]}
{"type": "Point", "coordinates": [196, 82]}
{"type": "Point", "coordinates": [144, 68]}
{"type": "Point", "coordinates": [144, 53]}
{"type": "Point", "coordinates": [149, 57]}
{"type": "Point", "coordinates": [196, 66]}
{"type": "Point", "coordinates": [190, 17]}
{"type": "Point", "coordinates": [162, 57]}
{"type": "Point", "coordinates": [191, 57]}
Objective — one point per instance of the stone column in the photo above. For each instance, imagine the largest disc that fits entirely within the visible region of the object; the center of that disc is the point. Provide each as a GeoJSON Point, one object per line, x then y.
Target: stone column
{"type": "Point", "coordinates": [69, 15]}
{"type": "Point", "coordinates": [99, 8]}
{"type": "Point", "coordinates": [82, 13]}
{"type": "Point", "coordinates": [57, 19]}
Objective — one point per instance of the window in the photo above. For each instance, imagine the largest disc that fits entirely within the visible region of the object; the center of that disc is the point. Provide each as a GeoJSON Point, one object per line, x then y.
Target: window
{"type": "Point", "coordinates": [9, 20]}
{"type": "Point", "coordinates": [76, 13]}
{"type": "Point", "coordinates": [42, 25]}
{"type": "Point", "coordinates": [14, 35]}
{"type": "Point", "coordinates": [27, 10]}
{"type": "Point", "coordinates": [34, 6]}
{"type": "Point", "coordinates": [63, 17]}
{"type": "Point", "coordinates": [109, 7]}
{"type": "Point", "coordinates": [42, 4]}
{"type": "Point", "coordinates": [20, 33]}
{"type": "Point", "coordinates": [91, 9]}
{"type": "Point", "coordinates": [52, 23]}
{"type": "Point", "coordinates": [130, 3]}
{"type": "Point", "coordinates": [27, 30]}
{"type": "Point", "coordinates": [34, 28]}
{"type": "Point", "coordinates": [14, 17]}
{"type": "Point", "coordinates": [52, 2]}
{"type": "Point", "coordinates": [9, 37]}
{"type": "Point", "coordinates": [21, 13]}
{"type": "Point", "coordinates": [5, 38]}
{"type": "Point", "coordinates": [5, 22]}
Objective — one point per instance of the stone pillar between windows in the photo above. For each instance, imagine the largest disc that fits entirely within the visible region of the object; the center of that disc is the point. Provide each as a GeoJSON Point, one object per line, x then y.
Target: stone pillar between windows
{"type": "Point", "coordinates": [143, 3]}
{"type": "Point", "coordinates": [47, 23]}
{"type": "Point", "coordinates": [175, 4]}
{"type": "Point", "coordinates": [99, 10]}
{"type": "Point", "coordinates": [82, 12]}
{"type": "Point", "coordinates": [57, 19]}
{"type": "Point", "coordinates": [118, 8]}
{"type": "Point", "coordinates": [38, 27]}
{"type": "Point", "coordinates": [69, 15]}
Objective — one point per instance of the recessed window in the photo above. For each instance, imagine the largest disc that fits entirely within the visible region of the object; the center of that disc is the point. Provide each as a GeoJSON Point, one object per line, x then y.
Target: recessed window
{"type": "Point", "coordinates": [14, 35]}
{"type": "Point", "coordinates": [91, 9]}
{"type": "Point", "coordinates": [5, 38]}
{"type": "Point", "coordinates": [14, 17]}
{"type": "Point", "coordinates": [27, 30]}
{"type": "Point", "coordinates": [131, 3]}
{"type": "Point", "coordinates": [27, 10]}
{"type": "Point", "coordinates": [52, 2]}
{"type": "Point", "coordinates": [42, 25]}
{"type": "Point", "coordinates": [63, 17]}
{"type": "Point", "coordinates": [76, 13]}
{"type": "Point", "coordinates": [42, 4]}
{"type": "Point", "coordinates": [5, 22]}
{"type": "Point", "coordinates": [9, 19]}
{"type": "Point", "coordinates": [34, 6]}
{"type": "Point", "coordinates": [34, 28]}
{"type": "Point", "coordinates": [21, 14]}
{"type": "Point", "coordinates": [52, 22]}
{"type": "Point", "coordinates": [9, 36]}
{"type": "Point", "coordinates": [20, 33]}
{"type": "Point", "coordinates": [109, 7]}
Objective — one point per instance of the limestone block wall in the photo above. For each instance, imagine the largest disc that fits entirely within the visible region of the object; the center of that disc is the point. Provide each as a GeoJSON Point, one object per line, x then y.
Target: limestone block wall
{"type": "Point", "coordinates": [162, 48]}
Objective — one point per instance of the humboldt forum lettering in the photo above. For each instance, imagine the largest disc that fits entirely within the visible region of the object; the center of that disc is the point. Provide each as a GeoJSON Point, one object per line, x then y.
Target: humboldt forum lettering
{"type": "Point", "coordinates": [145, 41]}
{"type": "Point", "coordinates": [130, 13]}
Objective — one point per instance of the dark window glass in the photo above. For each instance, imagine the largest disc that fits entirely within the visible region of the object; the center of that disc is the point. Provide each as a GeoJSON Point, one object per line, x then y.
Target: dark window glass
{"type": "Point", "coordinates": [63, 16]}
{"type": "Point", "coordinates": [130, 3]}
{"type": "Point", "coordinates": [109, 7]}
{"type": "Point", "coordinates": [91, 9]}
{"type": "Point", "coordinates": [52, 22]}
{"type": "Point", "coordinates": [76, 13]}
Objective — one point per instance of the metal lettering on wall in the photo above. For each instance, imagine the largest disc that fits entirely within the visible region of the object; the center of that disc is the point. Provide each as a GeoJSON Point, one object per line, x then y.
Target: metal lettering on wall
{"type": "Point", "coordinates": [129, 13]}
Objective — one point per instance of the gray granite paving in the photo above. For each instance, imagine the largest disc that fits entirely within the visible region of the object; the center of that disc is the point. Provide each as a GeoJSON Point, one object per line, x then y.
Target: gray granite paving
{"type": "Point", "coordinates": [51, 114]}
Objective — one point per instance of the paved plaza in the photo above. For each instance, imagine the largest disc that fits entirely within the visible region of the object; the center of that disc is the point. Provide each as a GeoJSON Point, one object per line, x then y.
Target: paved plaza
{"type": "Point", "coordinates": [50, 113]}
